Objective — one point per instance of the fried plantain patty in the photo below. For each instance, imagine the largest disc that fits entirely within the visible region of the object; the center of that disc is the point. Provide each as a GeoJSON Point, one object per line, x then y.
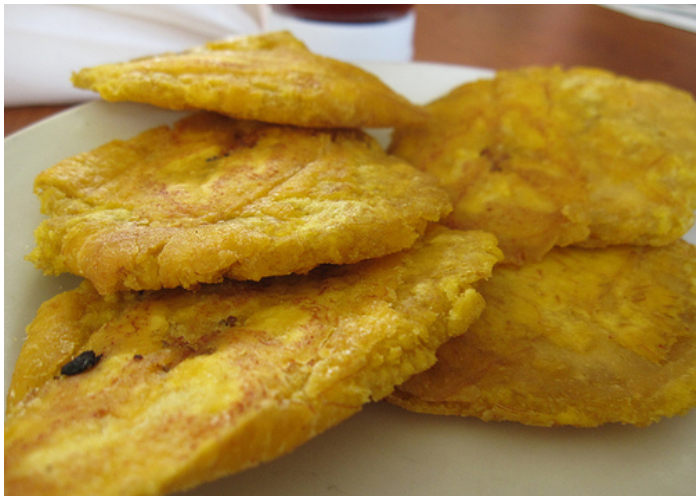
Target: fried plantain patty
{"type": "Point", "coordinates": [546, 157]}
{"type": "Point", "coordinates": [187, 386]}
{"type": "Point", "coordinates": [214, 198]}
{"type": "Point", "coordinates": [582, 338]}
{"type": "Point", "coordinates": [271, 77]}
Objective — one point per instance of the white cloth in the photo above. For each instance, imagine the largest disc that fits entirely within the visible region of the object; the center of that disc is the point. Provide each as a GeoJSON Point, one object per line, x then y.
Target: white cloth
{"type": "Point", "coordinates": [44, 44]}
{"type": "Point", "coordinates": [681, 16]}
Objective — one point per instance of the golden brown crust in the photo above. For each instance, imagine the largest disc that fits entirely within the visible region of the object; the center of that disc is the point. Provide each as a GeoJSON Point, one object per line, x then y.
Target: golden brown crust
{"type": "Point", "coordinates": [582, 338]}
{"type": "Point", "coordinates": [271, 77]}
{"type": "Point", "coordinates": [546, 157]}
{"type": "Point", "coordinates": [216, 198]}
{"type": "Point", "coordinates": [193, 385]}
{"type": "Point", "coordinates": [635, 142]}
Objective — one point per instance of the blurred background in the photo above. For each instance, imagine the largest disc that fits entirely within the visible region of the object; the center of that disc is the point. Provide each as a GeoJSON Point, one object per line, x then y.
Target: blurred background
{"type": "Point", "coordinates": [45, 43]}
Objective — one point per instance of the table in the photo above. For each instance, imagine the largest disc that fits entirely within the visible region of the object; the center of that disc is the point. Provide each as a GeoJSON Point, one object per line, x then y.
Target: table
{"type": "Point", "coordinates": [509, 36]}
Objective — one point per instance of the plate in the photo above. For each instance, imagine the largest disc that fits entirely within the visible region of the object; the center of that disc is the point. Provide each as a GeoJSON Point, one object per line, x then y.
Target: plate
{"type": "Point", "coordinates": [383, 450]}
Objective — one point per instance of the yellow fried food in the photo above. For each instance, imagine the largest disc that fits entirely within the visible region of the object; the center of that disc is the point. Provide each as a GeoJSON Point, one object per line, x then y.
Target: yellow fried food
{"type": "Point", "coordinates": [182, 387]}
{"type": "Point", "coordinates": [271, 77]}
{"type": "Point", "coordinates": [635, 142]}
{"type": "Point", "coordinates": [582, 338]}
{"type": "Point", "coordinates": [546, 157]}
{"type": "Point", "coordinates": [215, 198]}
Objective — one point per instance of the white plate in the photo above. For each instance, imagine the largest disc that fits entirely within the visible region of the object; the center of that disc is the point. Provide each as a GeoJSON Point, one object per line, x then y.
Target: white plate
{"type": "Point", "coordinates": [383, 450]}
